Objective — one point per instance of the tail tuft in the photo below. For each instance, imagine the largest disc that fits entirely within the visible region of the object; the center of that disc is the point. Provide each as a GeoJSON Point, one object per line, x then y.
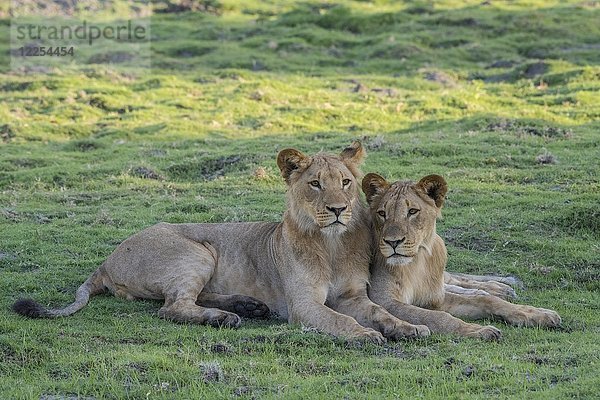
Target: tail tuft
{"type": "Point", "coordinates": [30, 308]}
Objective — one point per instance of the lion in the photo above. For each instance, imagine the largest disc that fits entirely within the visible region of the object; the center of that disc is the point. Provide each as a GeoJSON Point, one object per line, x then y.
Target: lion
{"type": "Point", "coordinates": [408, 276]}
{"type": "Point", "coordinates": [311, 269]}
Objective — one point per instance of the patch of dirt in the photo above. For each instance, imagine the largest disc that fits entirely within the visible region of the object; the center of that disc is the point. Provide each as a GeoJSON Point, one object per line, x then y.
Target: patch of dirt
{"type": "Point", "coordinates": [159, 153]}
{"type": "Point", "coordinates": [139, 367]}
{"type": "Point", "coordinates": [529, 71]}
{"type": "Point", "coordinates": [256, 339]}
{"type": "Point", "coordinates": [526, 128]}
{"type": "Point", "coordinates": [192, 51]}
{"type": "Point", "coordinates": [6, 133]}
{"type": "Point", "coordinates": [502, 64]}
{"type": "Point", "coordinates": [373, 142]}
{"type": "Point", "coordinates": [535, 69]}
{"type": "Point", "coordinates": [545, 158]}
{"type": "Point", "coordinates": [35, 70]}
{"type": "Point", "coordinates": [258, 95]}
{"type": "Point", "coordinates": [100, 103]}
{"type": "Point", "coordinates": [389, 92]}
{"type": "Point", "coordinates": [441, 78]}
{"type": "Point", "coordinates": [220, 348]}
{"type": "Point", "coordinates": [27, 163]}
{"type": "Point", "coordinates": [468, 371]}
{"type": "Point", "coordinates": [145, 172]}
{"type": "Point", "coordinates": [149, 84]}
{"type": "Point", "coordinates": [213, 7]}
{"type": "Point", "coordinates": [242, 391]}
{"type": "Point", "coordinates": [19, 86]}
{"type": "Point", "coordinates": [360, 88]}
{"type": "Point", "coordinates": [468, 22]}
{"type": "Point", "coordinates": [211, 372]}
{"type": "Point", "coordinates": [393, 351]}
{"type": "Point", "coordinates": [43, 219]}
{"type": "Point", "coordinates": [84, 145]}
{"type": "Point", "coordinates": [419, 10]}
{"type": "Point", "coordinates": [208, 169]}
{"type": "Point", "coordinates": [204, 81]}
{"type": "Point", "coordinates": [258, 65]}
{"type": "Point", "coordinates": [12, 215]}
{"type": "Point", "coordinates": [59, 8]}
{"type": "Point", "coordinates": [537, 360]}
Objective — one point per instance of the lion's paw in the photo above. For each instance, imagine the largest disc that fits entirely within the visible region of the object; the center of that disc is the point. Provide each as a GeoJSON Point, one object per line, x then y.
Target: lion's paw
{"type": "Point", "coordinates": [407, 331]}
{"type": "Point", "coordinates": [500, 290]}
{"type": "Point", "coordinates": [536, 317]}
{"type": "Point", "coordinates": [490, 333]}
{"type": "Point", "coordinates": [251, 308]}
{"type": "Point", "coordinates": [550, 319]}
{"type": "Point", "coordinates": [224, 319]}
{"type": "Point", "coordinates": [368, 334]}
{"type": "Point", "coordinates": [423, 331]}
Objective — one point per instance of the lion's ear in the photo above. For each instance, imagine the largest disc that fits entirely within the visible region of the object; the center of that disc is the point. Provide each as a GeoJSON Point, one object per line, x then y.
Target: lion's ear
{"type": "Point", "coordinates": [435, 187]}
{"type": "Point", "coordinates": [374, 185]}
{"type": "Point", "coordinates": [354, 154]}
{"type": "Point", "coordinates": [290, 160]}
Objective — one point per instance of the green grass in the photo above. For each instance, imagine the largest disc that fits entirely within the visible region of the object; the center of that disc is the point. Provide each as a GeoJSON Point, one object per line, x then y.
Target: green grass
{"type": "Point", "coordinates": [90, 154]}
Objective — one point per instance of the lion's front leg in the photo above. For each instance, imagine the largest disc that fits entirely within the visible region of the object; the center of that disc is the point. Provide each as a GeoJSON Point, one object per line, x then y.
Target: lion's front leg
{"type": "Point", "coordinates": [440, 321]}
{"type": "Point", "coordinates": [356, 304]}
{"type": "Point", "coordinates": [486, 306]}
{"type": "Point", "coordinates": [306, 306]}
{"type": "Point", "coordinates": [316, 315]}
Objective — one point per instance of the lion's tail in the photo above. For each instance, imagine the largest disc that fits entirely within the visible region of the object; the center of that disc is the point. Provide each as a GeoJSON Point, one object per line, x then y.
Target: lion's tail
{"type": "Point", "coordinates": [32, 309]}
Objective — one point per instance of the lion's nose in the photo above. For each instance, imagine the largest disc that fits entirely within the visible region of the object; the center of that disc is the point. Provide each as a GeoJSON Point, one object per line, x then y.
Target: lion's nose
{"type": "Point", "coordinates": [394, 243]}
{"type": "Point", "coordinates": [336, 210]}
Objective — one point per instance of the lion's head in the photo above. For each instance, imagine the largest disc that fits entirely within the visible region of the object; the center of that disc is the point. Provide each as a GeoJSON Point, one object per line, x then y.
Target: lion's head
{"type": "Point", "coordinates": [322, 189]}
{"type": "Point", "coordinates": [404, 214]}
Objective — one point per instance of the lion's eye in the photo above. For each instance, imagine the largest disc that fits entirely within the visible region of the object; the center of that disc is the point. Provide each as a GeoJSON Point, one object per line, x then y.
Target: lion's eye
{"type": "Point", "coordinates": [381, 213]}
{"type": "Point", "coordinates": [346, 182]}
{"type": "Point", "coordinates": [315, 184]}
{"type": "Point", "coordinates": [413, 211]}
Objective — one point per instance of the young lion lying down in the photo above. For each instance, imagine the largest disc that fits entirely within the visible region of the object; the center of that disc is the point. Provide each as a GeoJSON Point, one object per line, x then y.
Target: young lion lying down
{"type": "Point", "coordinates": [408, 276]}
{"type": "Point", "coordinates": [312, 268]}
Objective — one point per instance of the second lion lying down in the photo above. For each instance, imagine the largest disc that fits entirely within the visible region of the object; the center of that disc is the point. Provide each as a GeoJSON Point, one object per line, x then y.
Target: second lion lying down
{"type": "Point", "coordinates": [408, 275]}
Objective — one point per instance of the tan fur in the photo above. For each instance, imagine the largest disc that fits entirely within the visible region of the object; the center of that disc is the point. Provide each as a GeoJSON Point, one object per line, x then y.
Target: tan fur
{"type": "Point", "coordinates": [408, 271]}
{"type": "Point", "coordinates": [499, 286]}
{"type": "Point", "coordinates": [312, 268]}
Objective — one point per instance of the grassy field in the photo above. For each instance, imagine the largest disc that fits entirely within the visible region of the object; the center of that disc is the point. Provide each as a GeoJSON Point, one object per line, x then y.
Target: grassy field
{"type": "Point", "coordinates": [501, 98]}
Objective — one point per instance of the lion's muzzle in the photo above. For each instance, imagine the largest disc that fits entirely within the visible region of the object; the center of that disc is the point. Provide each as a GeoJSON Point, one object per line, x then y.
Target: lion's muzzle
{"type": "Point", "coordinates": [397, 251]}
